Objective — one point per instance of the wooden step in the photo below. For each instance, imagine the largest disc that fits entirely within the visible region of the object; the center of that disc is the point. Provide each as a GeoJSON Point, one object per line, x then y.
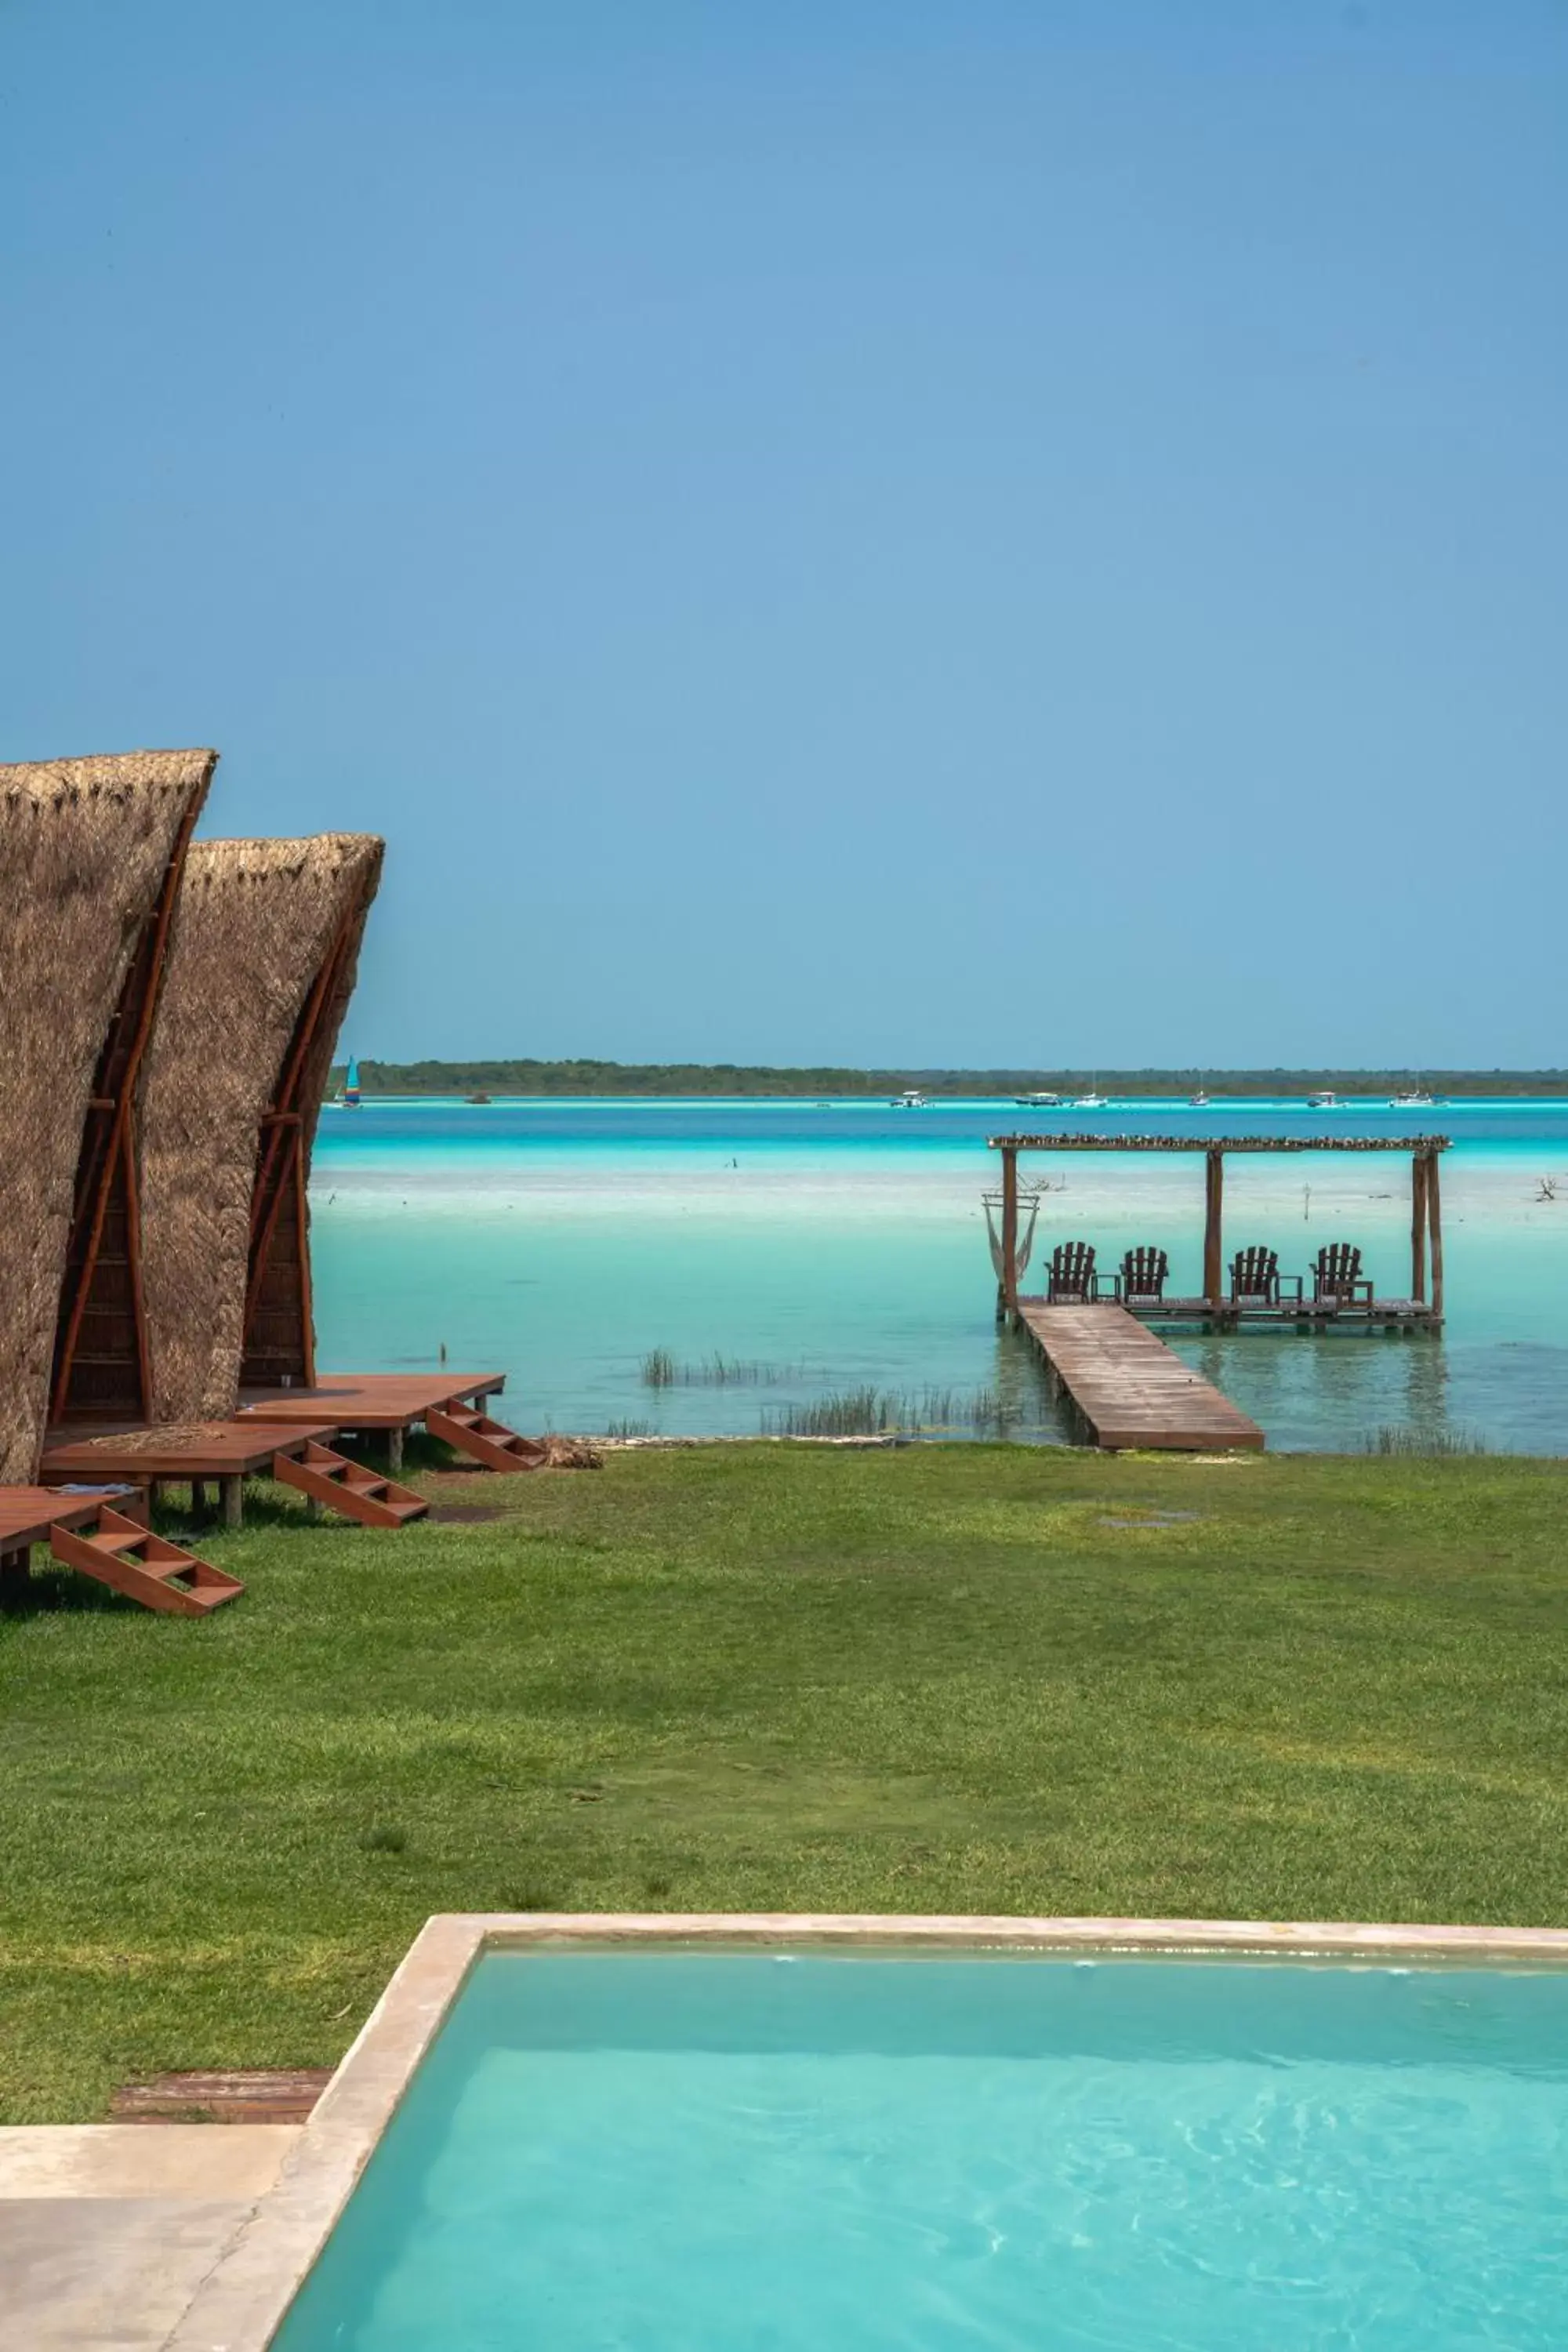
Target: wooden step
{"type": "Point", "coordinates": [340, 1485]}
{"type": "Point", "coordinates": [146, 1566]}
{"type": "Point", "coordinates": [490, 1442]}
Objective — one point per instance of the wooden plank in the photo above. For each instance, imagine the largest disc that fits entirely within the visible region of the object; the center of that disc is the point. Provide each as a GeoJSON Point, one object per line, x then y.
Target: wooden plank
{"type": "Point", "coordinates": [1218, 1142]}
{"type": "Point", "coordinates": [1128, 1387]}
{"type": "Point", "coordinates": [282, 2096]}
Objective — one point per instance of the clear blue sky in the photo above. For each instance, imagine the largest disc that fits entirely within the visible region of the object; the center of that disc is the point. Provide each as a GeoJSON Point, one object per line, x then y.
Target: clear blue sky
{"type": "Point", "coordinates": [895, 530]}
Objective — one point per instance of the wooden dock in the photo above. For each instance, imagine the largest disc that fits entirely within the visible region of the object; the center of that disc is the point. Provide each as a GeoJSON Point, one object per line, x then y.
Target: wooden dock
{"type": "Point", "coordinates": [1127, 1388]}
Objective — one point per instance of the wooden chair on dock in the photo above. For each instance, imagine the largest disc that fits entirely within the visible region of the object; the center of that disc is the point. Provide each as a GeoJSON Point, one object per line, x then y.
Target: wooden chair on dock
{"type": "Point", "coordinates": [1144, 1273]}
{"type": "Point", "coordinates": [1072, 1280]}
{"type": "Point", "coordinates": [1255, 1279]}
{"type": "Point", "coordinates": [1337, 1278]}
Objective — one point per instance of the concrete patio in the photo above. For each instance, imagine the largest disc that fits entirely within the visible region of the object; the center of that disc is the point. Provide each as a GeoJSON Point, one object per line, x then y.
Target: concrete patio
{"type": "Point", "coordinates": [108, 2229]}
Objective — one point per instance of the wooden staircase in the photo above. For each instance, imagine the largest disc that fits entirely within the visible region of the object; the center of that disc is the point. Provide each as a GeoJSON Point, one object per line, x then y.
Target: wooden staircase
{"type": "Point", "coordinates": [339, 1484]}
{"type": "Point", "coordinates": [469, 1430]}
{"type": "Point", "coordinates": [144, 1567]}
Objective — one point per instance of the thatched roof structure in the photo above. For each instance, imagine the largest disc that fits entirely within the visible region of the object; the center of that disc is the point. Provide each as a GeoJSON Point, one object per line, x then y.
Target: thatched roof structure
{"type": "Point", "coordinates": [89, 853]}
{"type": "Point", "coordinates": [261, 967]}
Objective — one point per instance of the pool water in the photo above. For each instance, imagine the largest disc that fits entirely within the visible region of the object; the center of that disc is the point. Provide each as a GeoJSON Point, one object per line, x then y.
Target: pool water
{"type": "Point", "coordinates": [704, 2152]}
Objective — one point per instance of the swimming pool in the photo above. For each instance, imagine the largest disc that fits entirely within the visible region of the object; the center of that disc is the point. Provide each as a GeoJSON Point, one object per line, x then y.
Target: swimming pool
{"type": "Point", "coordinates": [1006, 2144]}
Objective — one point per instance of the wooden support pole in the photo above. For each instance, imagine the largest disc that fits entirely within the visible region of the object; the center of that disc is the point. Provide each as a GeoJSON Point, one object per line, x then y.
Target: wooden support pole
{"type": "Point", "coordinates": [15, 1576]}
{"type": "Point", "coordinates": [1435, 1216]}
{"type": "Point", "coordinates": [1418, 1164]}
{"type": "Point", "coordinates": [394, 1451]}
{"type": "Point", "coordinates": [232, 1490]}
{"type": "Point", "coordinates": [1009, 1291]}
{"type": "Point", "coordinates": [1213, 1244]}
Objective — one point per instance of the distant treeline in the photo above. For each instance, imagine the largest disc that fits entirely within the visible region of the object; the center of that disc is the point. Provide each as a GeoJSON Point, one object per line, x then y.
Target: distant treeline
{"type": "Point", "coordinates": [733, 1079]}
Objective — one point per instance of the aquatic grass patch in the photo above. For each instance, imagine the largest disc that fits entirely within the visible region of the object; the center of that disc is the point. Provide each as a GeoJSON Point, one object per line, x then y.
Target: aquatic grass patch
{"type": "Point", "coordinates": [660, 1370]}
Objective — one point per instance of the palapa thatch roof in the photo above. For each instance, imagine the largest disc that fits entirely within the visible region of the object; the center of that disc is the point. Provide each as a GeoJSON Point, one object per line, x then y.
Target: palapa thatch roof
{"type": "Point", "coordinates": [85, 845]}
{"type": "Point", "coordinates": [256, 926]}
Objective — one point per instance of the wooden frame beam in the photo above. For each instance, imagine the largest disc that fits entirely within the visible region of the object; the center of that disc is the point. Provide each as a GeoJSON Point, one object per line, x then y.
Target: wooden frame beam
{"type": "Point", "coordinates": [106, 1166]}
{"type": "Point", "coordinates": [277, 1199]}
{"type": "Point", "coordinates": [1010, 1232]}
{"type": "Point", "coordinates": [1214, 1220]}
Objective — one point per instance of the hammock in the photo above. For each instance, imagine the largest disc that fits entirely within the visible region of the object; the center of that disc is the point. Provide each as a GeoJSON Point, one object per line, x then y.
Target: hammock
{"type": "Point", "coordinates": [1028, 1210]}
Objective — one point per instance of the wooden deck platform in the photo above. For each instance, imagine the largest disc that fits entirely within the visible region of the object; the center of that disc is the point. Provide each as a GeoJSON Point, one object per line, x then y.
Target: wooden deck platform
{"type": "Point", "coordinates": [1374, 1315]}
{"type": "Point", "coordinates": [1127, 1388]}
{"type": "Point", "coordinates": [452, 1407]}
{"type": "Point", "coordinates": [222, 1453]}
{"type": "Point", "coordinates": [369, 1400]}
{"type": "Point", "coordinates": [27, 1516]}
{"type": "Point", "coordinates": [27, 1513]}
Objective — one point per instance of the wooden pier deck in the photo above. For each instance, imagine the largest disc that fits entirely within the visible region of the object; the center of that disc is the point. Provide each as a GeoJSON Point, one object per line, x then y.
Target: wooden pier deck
{"type": "Point", "coordinates": [1127, 1388]}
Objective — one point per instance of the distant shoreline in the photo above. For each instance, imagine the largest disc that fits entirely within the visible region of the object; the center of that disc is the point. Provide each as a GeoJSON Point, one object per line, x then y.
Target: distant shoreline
{"type": "Point", "coordinates": [699, 1081]}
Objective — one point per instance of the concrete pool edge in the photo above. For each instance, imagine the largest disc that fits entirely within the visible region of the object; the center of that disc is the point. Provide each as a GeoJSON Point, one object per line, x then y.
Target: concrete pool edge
{"type": "Point", "coordinates": [242, 2301]}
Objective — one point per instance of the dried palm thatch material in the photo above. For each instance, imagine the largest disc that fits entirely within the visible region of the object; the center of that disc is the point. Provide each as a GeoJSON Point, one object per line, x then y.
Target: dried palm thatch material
{"type": "Point", "coordinates": [89, 853]}
{"type": "Point", "coordinates": [261, 967]}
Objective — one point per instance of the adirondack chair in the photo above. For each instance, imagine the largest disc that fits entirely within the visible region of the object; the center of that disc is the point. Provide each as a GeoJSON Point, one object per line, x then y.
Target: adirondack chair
{"type": "Point", "coordinates": [1255, 1279]}
{"type": "Point", "coordinates": [1071, 1280]}
{"type": "Point", "coordinates": [1337, 1278]}
{"type": "Point", "coordinates": [1143, 1274]}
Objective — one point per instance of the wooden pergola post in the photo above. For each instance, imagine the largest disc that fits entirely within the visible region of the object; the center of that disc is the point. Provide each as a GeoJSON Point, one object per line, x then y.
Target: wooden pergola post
{"type": "Point", "coordinates": [1213, 1245]}
{"type": "Point", "coordinates": [1008, 1290]}
{"type": "Point", "coordinates": [1435, 1216]}
{"type": "Point", "coordinates": [1419, 1164]}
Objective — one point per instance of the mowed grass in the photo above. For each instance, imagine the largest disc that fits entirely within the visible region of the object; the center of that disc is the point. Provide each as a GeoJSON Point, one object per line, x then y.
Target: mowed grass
{"type": "Point", "coordinates": [769, 1677]}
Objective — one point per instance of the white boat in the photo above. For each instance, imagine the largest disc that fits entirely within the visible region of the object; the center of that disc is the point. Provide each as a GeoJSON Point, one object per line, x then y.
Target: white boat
{"type": "Point", "coordinates": [1199, 1101]}
{"type": "Point", "coordinates": [1090, 1102]}
{"type": "Point", "coordinates": [1417, 1099]}
{"type": "Point", "coordinates": [911, 1099]}
{"type": "Point", "coordinates": [1038, 1102]}
{"type": "Point", "coordinates": [1324, 1101]}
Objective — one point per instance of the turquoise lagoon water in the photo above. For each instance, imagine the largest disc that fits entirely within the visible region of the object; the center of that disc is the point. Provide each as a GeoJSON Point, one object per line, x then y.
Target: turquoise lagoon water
{"type": "Point", "coordinates": [844, 1246]}
{"type": "Point", "coordinates": [684, 2152]}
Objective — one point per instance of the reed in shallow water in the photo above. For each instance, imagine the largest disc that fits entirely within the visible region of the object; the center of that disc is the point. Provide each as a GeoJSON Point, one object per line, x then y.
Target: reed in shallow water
{"type": "Point", "coordinates": [892, 1412]}
{"type": "Point", "coordinates": [660, 1370]}
{"type": "Point", "coordinates": [1391, 1439]}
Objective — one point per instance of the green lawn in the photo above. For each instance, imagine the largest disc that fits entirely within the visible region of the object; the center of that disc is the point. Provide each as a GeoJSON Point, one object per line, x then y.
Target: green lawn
{"type": "Point", "coordinates": [770, 1677]}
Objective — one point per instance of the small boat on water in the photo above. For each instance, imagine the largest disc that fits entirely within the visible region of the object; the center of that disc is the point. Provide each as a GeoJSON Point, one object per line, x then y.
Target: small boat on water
{"type": "Point", "coordinates": [1090, 1102]}
{"type": "Point", "coordinates": [351, 1086]}
{"type": "Point", "coordinates": [1324, 1101]}
{"type": "Point", "coordinates": [910, 1100]}
{"type": "Point", "coordinates": [1416, 1099]}
{"type": "Point", "coordinates": [477, 1098]}
{"type": "Point", "coordinates": [1199, 1101]}
{"type": "Point", "coordinates": [1038, 1102]}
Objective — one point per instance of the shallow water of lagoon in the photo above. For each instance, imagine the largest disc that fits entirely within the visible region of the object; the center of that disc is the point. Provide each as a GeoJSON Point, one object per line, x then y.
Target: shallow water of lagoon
{"type": "Point", "coordinates": [844, 1248]}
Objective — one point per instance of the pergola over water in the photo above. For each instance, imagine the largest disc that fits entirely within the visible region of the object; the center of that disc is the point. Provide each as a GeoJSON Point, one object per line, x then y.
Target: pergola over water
{"type": "Point", "coordinates": [1426, 1204]}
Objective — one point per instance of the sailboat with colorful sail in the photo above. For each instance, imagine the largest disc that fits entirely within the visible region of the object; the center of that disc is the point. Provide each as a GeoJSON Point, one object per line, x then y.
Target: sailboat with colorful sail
{"type": "Point", "coordinates": [350, 1087]}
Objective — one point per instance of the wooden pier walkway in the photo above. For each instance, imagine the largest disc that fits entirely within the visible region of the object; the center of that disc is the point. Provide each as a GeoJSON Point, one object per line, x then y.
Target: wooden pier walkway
{"type": "Point", "coordinates": [1128, 1388]}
